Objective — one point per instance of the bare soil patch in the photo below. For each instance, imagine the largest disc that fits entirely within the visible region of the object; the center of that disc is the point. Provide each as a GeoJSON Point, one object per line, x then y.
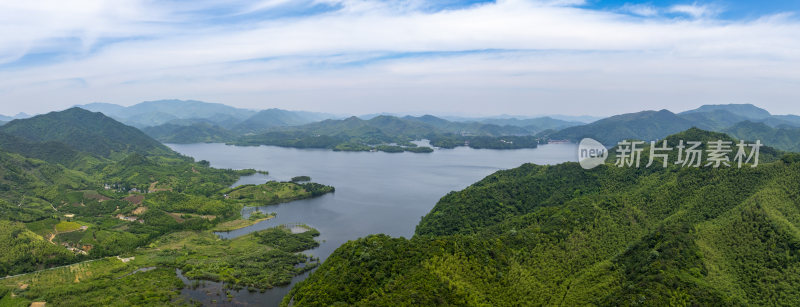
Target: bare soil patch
{"type": "Point", "coordinates": [135, 199]}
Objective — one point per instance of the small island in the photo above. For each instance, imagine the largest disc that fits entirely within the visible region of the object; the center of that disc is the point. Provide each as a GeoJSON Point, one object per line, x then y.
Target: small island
{"type": "Point", "coordinates": [275, 192]}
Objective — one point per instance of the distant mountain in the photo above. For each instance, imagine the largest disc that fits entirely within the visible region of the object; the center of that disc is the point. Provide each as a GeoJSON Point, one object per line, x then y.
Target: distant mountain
{"type": "Point", "coordinates": [85, 131]}
{"type": "Point", "coordinates": [470, 128]}
{"type": "Point", "coordinates": [783, 120]}
{"type": "Point", "coordinates": [147, 119]}
{"type": "Point", "coordinates": [19, 115]}
{"type": "Point", "coordinates": [784, 138]}
{"type": "Point", "coordinates": [519, 120]}
{"type": "Point", "coordinates": [714, 120]}
{"type": "Point", "coordinates": [180, 109]}
{"type": "Point", "coordinates": [747, 111]}
{"type": "Point", "coordinates": [430, 120]}
{"type": "Point", "coordinates": [534, 125]}
{"type": "Point", "coordinates": [270, 118]}
{"type": "Point", "coordinates": [374, 115]}
{"type": "Point", "coordinates": [109, 109]}
{"type": "Point", "coordinates": [720, 117]}
{"type": "Point", "coordinates": [186, 134]}
{"type": "Point", "coordinates": [154, 113]}
{"type": "Point", "coordinates": [355, 134]}
{"type": "Point", "coordinates": [190, 112]}
{"type": "Point", "coordinates": [572, 118]}
{"type": "Point", "coordinates": [379, 129]}
{"type": "Point", "coordinates": [3, 122]}
{"type": "Point", "coordinates": [646, 125]}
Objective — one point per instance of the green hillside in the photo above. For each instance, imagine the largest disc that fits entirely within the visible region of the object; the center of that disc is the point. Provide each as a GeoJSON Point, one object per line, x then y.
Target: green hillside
{"type": "Point", "coordinates": [645, 125]}
{"type": "Point", "coordinates": [716, 120]}
{"type": "Point", "coordinates": [652, 125]}
{"type": "Point", "coordinates": [194, 133]}
{"type": "Point", "coordinates": [747, 111]}
{"type": "Point", "coordinates": [784, 138]}
{"type": "Point", "coordinates": [30, 187]}
{"type": "Point", "coordinates": [85, 131]}
{"type": "Point", "coordinates": [124, 197]}
{"type": "Point", "coordinates": [270, 118]}
{"type": "Point", "coordinates": [561, 235]}
{"type": "Point", "coordinates": [51, 151]}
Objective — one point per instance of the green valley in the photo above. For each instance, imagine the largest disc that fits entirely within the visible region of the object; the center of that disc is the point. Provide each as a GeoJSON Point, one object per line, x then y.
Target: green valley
{"type": "Point", "coordinates": [82, 190]}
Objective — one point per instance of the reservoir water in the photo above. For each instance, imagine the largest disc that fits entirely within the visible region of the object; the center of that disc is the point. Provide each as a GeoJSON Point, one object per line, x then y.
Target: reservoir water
{"type": "Point", "coordinates": [376, 192]}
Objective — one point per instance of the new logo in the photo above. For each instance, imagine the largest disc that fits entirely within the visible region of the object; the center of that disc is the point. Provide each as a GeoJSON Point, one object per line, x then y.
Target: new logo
{"type": "Point", "coordinates": [591, 153]}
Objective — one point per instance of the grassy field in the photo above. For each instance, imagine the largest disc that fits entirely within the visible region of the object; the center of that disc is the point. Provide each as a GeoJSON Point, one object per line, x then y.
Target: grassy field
{"type": "Point", "coordinates": [240, 223]}
{"type": "Point", "coordinates": [44, 227]}
{"type": "Point", "coordinates": [65, 226]}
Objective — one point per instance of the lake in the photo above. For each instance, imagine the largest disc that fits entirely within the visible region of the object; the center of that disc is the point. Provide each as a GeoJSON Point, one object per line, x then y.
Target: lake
{"type": "Point", "coordinates": [376, 192]}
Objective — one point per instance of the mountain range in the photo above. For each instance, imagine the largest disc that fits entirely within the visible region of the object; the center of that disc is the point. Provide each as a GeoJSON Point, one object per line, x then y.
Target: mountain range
{"type": "Point", "coordinates": [780, 131]}
{"type": "Point", "coordinates": [193, 121]}
{"type": "Point", "coordinates": [188, 121]}
{"type": "Point", "coordinates": [189, 112]}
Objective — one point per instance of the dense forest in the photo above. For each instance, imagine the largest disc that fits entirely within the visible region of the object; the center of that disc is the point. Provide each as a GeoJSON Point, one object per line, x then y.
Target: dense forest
{"type": "Point", "coordinates": [562, 235]}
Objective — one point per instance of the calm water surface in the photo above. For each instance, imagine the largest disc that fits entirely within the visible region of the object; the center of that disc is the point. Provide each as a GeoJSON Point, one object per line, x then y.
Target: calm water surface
{"type": "Point", "coordinates": [376, 192]}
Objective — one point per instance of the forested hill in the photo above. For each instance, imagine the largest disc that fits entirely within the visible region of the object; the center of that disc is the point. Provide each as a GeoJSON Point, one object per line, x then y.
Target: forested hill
{"type": "Point", "coordinates": [784, 137]}
{"type": "Point", "coordinates": [744, 121]}
{"type": "Point", "coordinates": [562, 235]}
{"type": "Point", "coordinates": [353, 134]}
{"type": "Point", "coordinates": [197, 133]}
{"type": "Point", "coordinates": [84, 131]}
{"type": "Point", "coordinates": [645, 125]}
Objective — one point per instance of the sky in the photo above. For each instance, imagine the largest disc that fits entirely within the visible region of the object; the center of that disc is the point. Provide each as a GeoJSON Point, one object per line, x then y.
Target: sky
{"type": "Point", "coordinates": [448, 57]}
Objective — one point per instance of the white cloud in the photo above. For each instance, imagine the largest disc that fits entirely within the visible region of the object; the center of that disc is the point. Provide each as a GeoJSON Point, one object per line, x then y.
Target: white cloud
{"type": "Point", "coordinates": [645, 10]}
{"type": "Point", "coordinates": [696, 10]}
{"type": "Point", "coordinates": [559, 56]}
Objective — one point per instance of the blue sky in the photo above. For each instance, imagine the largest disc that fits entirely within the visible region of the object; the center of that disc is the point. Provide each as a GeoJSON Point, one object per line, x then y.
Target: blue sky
{"type": "Point", "coordinates": [730, 9]}
{"type": "Point", "coordinates": [453, 57]}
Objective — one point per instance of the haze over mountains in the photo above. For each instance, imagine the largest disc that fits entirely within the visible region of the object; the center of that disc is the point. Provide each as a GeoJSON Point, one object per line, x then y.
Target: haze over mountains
{"type": "Point", "coordinates": [187, 112]}
{"type": "Point", "coordinates": [189, 121]}
{"type": "Point", "coordinates": [744, 121]}
{"type": "Point", "coordinates": [179, 121]}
